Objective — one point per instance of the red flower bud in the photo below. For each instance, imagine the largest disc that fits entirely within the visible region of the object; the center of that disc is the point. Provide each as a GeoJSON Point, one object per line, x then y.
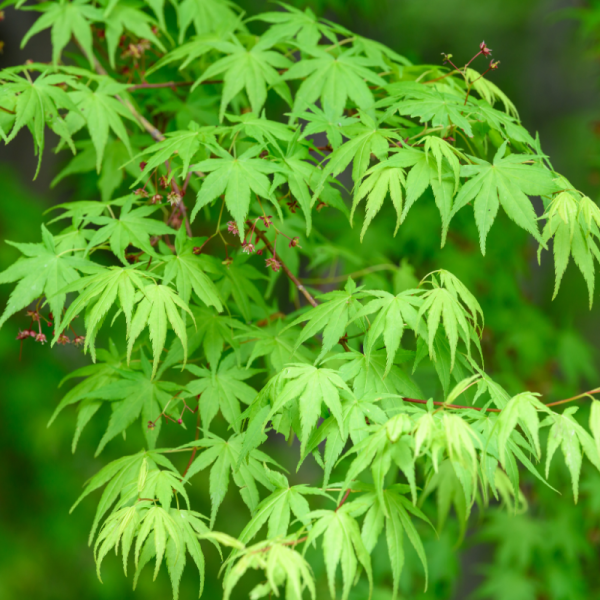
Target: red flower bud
{"type": "Point", "coordinates": [273, 264]}
{"type": "Point", "coordinates": [232, 227]}
{"type": "Point", "coordinates": [484, 49]}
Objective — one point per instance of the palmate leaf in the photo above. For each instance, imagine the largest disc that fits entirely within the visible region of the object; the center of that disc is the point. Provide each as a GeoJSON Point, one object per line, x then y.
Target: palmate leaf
{"type": "Point", "coordinates": [368, 375]}
{"type": "Point", "coordinates": [120, 16]}
{"type": "Point", "coordinates": [573, 224]}
{"type": "Point", "coordinates": [185, 269]}
{"type": "Point", "coordinates": [101, 112]}
{"type": "Point", "coordinates": [342, 544]}
{"type": "Point", "coordinates": [307, 388]}
{"type": "Point", "coordinates": [97, 294]}
{"type": "Point", "coordinates": [223, 455]}
{"type": "Point", "coordinates": [277, 345]}
{"type": "Point", "coordinates": [42, 271]}
{"type": "Point", "coordinates": [96, 376]}
{"type": "Point", "coordinates": [333, 78]}
{"type": "Point", "coordinates": [366, 138]}
{"type": "Point", "coordinates": [36, 104]}
{"type": "Point", "coordinates": [460, 320]}
{"type": "Point", "coordinates": [237, 178]}
{"type": "Point", "coordinates": [430, 168]}
{"type": "Point", "coordinates": [283, 566]}
{"type": "Point", "coordinates": [161, 533]}
{"type": "Point", "coordinates": [66, 20]}
{"type": "Point", "coordinates": [158, 305]}
{"type": "Point", "coordinates": [183, 145]}
{"type": "Point", "coordinates": [133, 395]}
{"type": "Point", "coordinates": [252, 70]}
{"type": "Point", "coordinates": [325, 120]}
{"type": "Point", "coordinates": [507, 181]}
{"type": "Point", "coordinates": [122, 479]}
{"type": "Point", "coordinates": [207, 16]}
{"type": "Point", "coordinates": [332, 317]}
{"type": "Point", "coordinates": [573, 440]}
{"type": "Point", "coordinates": [357, 412]}
{"type": "Point", "coordinates": [278, 508]}
{"type": "Point", "coordinates": [430, 105]}
{"type": "Point", "coordinates": [223, 389]}
{"type": "Point", "coordinates": [132, 227]}
{"type": "Point", "coordinates": [394, 313]}
{"type": "Point", "coordinates": [521, 409]}
{"type": "Point", "coordinates": [294, 23]}
{"type": "Point", "coordinates": [393, 510]}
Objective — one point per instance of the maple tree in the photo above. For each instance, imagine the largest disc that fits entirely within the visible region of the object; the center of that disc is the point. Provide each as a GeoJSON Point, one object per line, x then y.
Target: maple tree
{"type": "Point", "coordinates": [212, 315]}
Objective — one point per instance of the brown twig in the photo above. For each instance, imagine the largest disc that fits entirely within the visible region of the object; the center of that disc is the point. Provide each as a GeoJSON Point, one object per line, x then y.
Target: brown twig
{"type": "Point", "coordinates": [260, 234]}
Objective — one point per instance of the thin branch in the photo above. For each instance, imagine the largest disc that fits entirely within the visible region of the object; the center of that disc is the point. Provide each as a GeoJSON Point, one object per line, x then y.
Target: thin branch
{"type": "Point", "coordinates": [260, 234]}
{"type": "Point", "coordinates": [572, 399]}
{"type": "Point", "coordinates": [343, 500]}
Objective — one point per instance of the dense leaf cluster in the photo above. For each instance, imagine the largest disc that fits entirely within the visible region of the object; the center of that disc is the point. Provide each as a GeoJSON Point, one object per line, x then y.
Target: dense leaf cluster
{"type": "Point", "coordinates": [341, 371]}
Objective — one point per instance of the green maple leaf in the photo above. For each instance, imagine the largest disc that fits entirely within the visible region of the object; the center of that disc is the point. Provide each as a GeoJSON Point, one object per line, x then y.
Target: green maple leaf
{"type": "Point", "coordinates": [394, 511]}
{"type": "Point", "coordinates": [573, 224]}
{"type": "Point", "coordinates": [278, 508]}
{"type": "Point", "coordinates": [102, 112]}
{"type": "Point", "coordinates": [572, 439]}
{"type": "Point", "coordinates": [252, 70]}
{"type": "Point", "coordinates": [120, 16]}
{"type": "Point", "coordinates": [332, 317]}
{"type": "Point", "coordinates": [306, 389]}
{"type": "Point", "coordinates": [159, 304]}
{"type": "Point", "coordinates": [186, 269]}
{"type": "Point", "coordinates": [41, 271]}
{"type": "Point", "coordinates": [181, 145]}
{"type": "Point", "coordinates": [36, 104]}
{"type": "Point", "coordinates": [356, 411]}
{"type": "Point", "coordinates": [333, 77]}
{"type": "Point", "coordinates": [460, 320]}
{"type": "Point", "coordinates": [223, 456]}
{"type": "Point", "coordinates": [277, 344]}
{"type": "Point", "coordinates": [368, 374]}
{"type": "Point", "coordinates": [343, 544]}
{"type": "Point", "coordinates": [66, 20]}
{"type": "Point", "coordinates": [507, 181]}
{"type": "Point", "coordinates": [133, 395]}
{"type": "Point", "coordinates": [188, 52]}
{"type": "Point", "coordinates": [295, 23]}
{"type": "Point", "coordinates": [95, 376]}
{"type": "Point", "coordinates": [326, 121]}
{"type": "Point", "coordinates": [207, 16]}
{"type": "Point", "coordinates": [260, 128]}
{"type": "Point", "coordinates": [301, 175]}
{"type": "Point", "coordinates": [222, 389]}
{"type": "Point", "coordinates": [394, 313]}
{"type": "Point", "coordinates": [366, 138]}
{"type": "Point", "coordinates": [97, 294]}
{"type": "Point", "coordinates": [431, 106]}
{"type": "Point", "coordinates": [237, 178]}
{"type": "Point", "coordinates": [132, 227]}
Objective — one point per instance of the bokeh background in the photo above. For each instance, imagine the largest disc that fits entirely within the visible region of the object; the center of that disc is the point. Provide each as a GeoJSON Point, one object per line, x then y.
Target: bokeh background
{"type": "Point", "coordinates": [550, 69]}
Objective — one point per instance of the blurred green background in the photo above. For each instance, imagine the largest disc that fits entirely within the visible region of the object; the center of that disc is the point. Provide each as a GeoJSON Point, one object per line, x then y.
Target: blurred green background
{"type": "Point", "coordinates": [551, 73]}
